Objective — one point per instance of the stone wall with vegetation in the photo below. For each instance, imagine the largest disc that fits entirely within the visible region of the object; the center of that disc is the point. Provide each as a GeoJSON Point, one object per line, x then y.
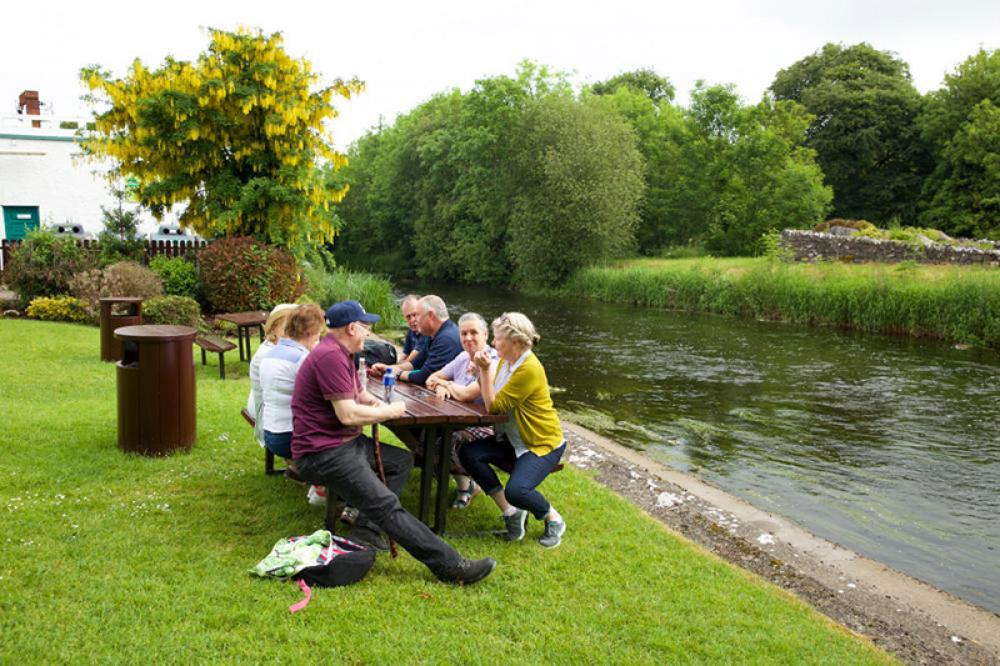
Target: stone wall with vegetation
{"type": "Point", "coordinates": [813, 246]}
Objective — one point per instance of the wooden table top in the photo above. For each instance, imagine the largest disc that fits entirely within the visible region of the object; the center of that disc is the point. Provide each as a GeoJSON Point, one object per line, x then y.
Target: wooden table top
{"type": "Point", "coordinates": [423, 407]}
{"type": "Point", "coordinates": [253, 318]}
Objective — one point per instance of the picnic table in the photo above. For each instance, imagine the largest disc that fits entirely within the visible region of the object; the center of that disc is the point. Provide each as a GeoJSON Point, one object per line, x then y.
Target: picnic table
{"type": "Point", "coordinates": [430, 421]}
{"type": "Point", "coordinates": [244, 322]}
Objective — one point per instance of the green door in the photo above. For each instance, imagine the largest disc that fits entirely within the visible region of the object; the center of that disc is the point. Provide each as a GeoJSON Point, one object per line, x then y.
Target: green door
{"type": "Point", "coordinates": [19, 220]}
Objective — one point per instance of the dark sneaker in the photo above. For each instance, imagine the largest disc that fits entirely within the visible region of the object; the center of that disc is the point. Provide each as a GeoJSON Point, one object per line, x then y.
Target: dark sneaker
{"type": "Point", "coordinates": [554, 529]}
{"type": "Point", "coordinates": [368, 537]}
{"type": "Point", "coordinates": [292, 475]}
{"type": "Point", "coordinates": [515, 525]}
{"type": "Point", "coordinates": [467, 572]}
{"type": "Point", "coordinates": [349, 516]}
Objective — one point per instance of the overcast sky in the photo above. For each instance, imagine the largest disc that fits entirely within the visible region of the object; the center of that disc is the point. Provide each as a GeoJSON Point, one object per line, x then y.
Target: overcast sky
{"type": "Point", "coordinates": [407, 51]}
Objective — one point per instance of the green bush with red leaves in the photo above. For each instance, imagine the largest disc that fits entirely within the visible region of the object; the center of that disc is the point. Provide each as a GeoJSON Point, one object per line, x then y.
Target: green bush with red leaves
{"type": "Point", "coordinates": [239, 274]}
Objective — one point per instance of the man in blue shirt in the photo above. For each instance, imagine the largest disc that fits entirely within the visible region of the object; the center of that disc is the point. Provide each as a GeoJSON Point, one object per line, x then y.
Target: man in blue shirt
{"type": "Point", "coordinates": [414, 342]}
{"type": "Point", "coordinates": [443, 343]}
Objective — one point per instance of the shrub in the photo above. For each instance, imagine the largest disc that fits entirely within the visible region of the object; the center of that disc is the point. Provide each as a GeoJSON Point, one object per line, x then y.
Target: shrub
{"type": "Point", "coordinates": [126, 278]}
{"type": "Point", "coordinates": [44, 263]}
{"type": "Point", "coordinates": [240, 274]}
{"type": "Point", "coordinates": [175, 310]}
{"type": "Point", "coordinates": [180, 277]}
{"type": "Point", "coordinates": [372, 291]}
{"type": "Point", "coordinates": [58, 308]}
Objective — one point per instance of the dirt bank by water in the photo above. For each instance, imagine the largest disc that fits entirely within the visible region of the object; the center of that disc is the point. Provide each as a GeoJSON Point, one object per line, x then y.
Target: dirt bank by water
{"type": "Point", "coordinates": [915, 622]}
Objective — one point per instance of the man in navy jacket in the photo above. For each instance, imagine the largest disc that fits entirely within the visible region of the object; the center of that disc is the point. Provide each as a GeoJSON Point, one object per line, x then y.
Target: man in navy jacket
{"type": "Point", "coordinates": [444, 343]}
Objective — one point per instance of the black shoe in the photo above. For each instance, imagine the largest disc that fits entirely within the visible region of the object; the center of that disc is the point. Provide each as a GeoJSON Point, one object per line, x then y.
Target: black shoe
{"type": "Point", "coordinates": [369, 537]}
{"type": "Point", "coordinates": [467, 572]}
{"type": "Point", "coordinates": [292, 475]}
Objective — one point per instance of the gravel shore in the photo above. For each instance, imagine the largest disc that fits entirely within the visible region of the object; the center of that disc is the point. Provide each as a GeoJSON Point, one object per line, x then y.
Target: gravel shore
{"type": "Point", "coordinates": [910, 619]}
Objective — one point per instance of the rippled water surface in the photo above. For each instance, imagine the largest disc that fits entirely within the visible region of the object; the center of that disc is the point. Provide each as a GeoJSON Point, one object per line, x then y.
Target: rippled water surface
{"type": "Point", "coordinates": [888, 446]}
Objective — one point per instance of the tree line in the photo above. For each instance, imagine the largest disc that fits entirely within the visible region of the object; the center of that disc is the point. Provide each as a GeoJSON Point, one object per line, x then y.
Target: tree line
{"type": "Point", "coordinates": [523, 179]}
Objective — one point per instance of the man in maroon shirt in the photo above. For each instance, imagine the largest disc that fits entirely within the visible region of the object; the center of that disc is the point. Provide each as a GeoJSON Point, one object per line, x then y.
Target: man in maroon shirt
{"type": "Point", "coordinates": [329, 406]}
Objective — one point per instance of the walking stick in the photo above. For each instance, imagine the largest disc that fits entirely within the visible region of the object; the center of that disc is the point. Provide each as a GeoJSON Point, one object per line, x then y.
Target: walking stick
{"type": "Point", "coordinates": [381, 475]}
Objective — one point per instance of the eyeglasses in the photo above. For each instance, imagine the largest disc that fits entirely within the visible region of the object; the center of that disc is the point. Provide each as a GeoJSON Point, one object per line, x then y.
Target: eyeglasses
{"type": "Point", "coordinates": [366, 327]}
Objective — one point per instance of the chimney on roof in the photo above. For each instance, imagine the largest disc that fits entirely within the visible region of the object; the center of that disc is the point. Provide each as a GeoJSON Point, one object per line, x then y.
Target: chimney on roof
{"type": "Point", "coordinates": [28, 104]}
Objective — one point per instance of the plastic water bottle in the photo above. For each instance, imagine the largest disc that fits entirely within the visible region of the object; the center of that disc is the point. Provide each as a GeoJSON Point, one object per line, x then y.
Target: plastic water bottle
{"type": "Point", "coordinates": [388, 384]}
{"type": "Point", "coordinates": [362, 373]}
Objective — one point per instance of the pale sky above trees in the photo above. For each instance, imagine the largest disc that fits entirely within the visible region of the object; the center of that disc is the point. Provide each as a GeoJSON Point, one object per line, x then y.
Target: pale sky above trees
{"type": "Point", "coordinates": [406, 51]}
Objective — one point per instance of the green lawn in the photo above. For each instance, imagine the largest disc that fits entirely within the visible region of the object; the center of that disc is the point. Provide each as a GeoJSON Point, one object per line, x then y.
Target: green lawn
{"type": "Point", "coordinates": [107, 557]}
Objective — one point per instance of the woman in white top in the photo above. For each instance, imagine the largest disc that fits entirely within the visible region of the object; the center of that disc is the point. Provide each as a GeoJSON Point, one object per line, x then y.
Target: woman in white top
{"type": "Point", "coordinates": [277, 375]}
{"type": "Point", "coordinates": [274, 328]}
{"type": "Point", "coordinates": [459, 381]}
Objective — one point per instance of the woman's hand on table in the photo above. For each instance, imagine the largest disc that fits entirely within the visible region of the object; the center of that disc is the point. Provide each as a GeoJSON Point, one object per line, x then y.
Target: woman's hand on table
{"type": "Point", "coordinates": [443, 391]}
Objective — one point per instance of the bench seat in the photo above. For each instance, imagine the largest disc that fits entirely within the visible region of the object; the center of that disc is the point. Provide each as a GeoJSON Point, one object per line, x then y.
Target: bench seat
{"type": "Point", "coordinates": [215, 344]}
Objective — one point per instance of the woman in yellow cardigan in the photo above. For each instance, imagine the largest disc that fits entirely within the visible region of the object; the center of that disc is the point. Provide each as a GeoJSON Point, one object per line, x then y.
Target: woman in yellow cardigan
{"type": "Point", "coordinates": [532, 440]}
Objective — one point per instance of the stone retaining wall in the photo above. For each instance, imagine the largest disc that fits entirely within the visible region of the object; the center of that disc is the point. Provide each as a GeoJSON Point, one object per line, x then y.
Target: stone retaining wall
{"type": "Point", "coordinates": [812, 245]}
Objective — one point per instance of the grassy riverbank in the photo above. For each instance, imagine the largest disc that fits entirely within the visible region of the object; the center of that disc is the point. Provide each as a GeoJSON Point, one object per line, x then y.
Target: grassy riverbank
{"type": "Point", "coordinates": [955, 303]}
{"type": "Point", "coordinates": [107, 557]}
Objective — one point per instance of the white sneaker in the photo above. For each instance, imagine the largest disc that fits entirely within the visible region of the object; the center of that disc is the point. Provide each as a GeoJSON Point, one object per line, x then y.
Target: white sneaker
{"type": "Point", "coordinates": [317, 495]}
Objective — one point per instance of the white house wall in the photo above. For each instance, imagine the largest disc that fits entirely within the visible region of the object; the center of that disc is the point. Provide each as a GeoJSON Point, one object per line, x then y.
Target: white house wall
{"type": "Point", "coordinates": [43, 168]}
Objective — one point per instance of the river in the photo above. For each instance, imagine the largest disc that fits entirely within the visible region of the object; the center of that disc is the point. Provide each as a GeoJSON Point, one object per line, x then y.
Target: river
{"type": "Point", "coordinates": [887, 446]}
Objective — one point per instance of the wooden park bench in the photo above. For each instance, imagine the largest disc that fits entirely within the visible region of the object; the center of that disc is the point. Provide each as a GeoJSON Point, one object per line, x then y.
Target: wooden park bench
{"type": "Point", "coordinates": [268, 454]}
{"type": "Point", "coordinates": [334, 508]}
{"type": "Point", "coordinates": [214, 343]}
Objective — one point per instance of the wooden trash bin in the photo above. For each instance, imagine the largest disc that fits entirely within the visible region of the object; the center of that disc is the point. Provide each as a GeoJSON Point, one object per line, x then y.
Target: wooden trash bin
{"type": "Point", "coordinates": [156, 389]}
{"type": "Point", "coordinates": [111, 349]}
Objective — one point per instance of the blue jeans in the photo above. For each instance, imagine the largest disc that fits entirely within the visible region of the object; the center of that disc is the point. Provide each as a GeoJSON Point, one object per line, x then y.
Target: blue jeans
{"type": "Point", "coordinates": [526, 472]}
{"type": "Point", "coordinates": [279, 443]}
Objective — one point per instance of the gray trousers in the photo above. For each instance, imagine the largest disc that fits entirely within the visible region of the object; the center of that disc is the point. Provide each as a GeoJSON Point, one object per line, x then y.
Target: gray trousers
{"type": "Point", "coordinates": [349, 471]}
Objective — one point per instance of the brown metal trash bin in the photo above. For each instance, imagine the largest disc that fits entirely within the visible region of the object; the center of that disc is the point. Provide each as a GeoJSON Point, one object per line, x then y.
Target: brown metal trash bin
{"type": "Point", "coordinates": [156, 389]}
{"type": "Point", "coordinates": [111, 349]}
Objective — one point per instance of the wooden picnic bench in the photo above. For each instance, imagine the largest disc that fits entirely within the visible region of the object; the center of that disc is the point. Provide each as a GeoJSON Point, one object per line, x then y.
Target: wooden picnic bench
{"type": "Point", "coordinates": [245, 322]}
{"type": "Point", "coordinates": [214, 343]}
{"type": "Point", "coordinates": [428, 423]}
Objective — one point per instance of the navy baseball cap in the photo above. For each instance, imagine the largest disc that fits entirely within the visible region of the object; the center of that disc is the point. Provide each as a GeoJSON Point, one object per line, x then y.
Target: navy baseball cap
{"type": "Point", "coordinates": [343, 313]}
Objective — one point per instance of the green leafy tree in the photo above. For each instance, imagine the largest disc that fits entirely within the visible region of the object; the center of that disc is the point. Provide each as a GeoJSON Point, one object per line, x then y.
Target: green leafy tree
{"type": "Point", "coordinates": [720, 172]}
{"type": "Point", "coordinates": [431, 195]}
{"type": "Point", "coordinates": [644, 81]}
{"type": "Point", "coordinates": [947, 109]}
{"type": "Point", "coordinates": [234, 136]}
{"type": "Point", "coordinates": [580, 183]}
{"type": "Point", "coordinates": [676, 198]}
{"type": "Point", "coordinates": [761, 179]}
{"type": "Point", "coordinates": [964, 191]}
{"type": "Point", "coordinates": [119, 241]}
{"type": "Point", "coordinates": [865, 131]}
{"type": "Point", "coordinates": [961, 123]}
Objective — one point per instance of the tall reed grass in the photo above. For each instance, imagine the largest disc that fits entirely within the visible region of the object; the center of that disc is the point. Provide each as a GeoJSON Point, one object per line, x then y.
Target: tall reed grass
{"type": "Point", "coordinates": [955, 303]}
{"type": "Point", "coordinates": [374, 292]}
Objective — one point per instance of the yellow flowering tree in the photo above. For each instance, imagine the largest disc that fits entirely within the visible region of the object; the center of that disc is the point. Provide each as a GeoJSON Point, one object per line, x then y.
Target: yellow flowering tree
{"type": "Point", "coordinates": [237, 136]}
